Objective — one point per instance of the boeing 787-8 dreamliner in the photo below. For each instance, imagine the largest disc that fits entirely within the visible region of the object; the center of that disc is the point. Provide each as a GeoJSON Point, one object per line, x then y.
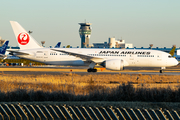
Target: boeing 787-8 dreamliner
{"type": "Point", "coordinates": [112, 59]}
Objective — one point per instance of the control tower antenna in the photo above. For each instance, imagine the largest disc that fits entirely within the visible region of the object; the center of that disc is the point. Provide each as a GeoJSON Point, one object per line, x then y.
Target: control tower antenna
{"type": "Point", "coordinates": [85, 33]}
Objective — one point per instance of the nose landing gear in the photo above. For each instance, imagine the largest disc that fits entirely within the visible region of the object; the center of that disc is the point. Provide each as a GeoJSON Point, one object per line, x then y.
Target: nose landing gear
{"type": "Point", "coordinates": [91, 69]}
{"type": "Point", "coordinates": [162, 69]}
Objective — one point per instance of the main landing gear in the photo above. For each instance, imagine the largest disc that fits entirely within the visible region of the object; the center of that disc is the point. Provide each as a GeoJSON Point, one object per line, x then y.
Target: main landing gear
{"type": "Point", "coordinates": [91, 67]}
{"type": "Point", "coordinates": [91, 70]}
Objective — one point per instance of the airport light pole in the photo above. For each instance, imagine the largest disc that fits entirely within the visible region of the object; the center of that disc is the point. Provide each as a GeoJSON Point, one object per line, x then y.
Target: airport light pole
{"type": "Point", "coordinates": [30, 32]}
{"type": "Point", "coordinates": [151, 45]}
{"type": "Point", "coordinates": [43, 42]}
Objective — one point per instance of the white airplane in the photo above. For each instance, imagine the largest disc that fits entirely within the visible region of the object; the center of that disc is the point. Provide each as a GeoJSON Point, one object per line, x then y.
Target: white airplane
{"type": "Point", "coordinates": [112, 59]}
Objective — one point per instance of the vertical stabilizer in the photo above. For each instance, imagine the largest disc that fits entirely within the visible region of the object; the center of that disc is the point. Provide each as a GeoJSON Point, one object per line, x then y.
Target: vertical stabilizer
{"type": "Point", "coordinates": [4, 47]}
{"type": "Point", "coordinates": [58, 45]}
{"type": "Point", "coordinates": [172, 50]}
{"type": "Point", "coordinates": [24, 40]}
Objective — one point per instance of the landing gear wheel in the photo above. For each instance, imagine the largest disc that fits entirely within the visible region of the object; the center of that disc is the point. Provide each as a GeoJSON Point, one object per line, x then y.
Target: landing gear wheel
{"type": "Point", "coordinates": [161, 71]}
{"type": "Point", "coordinates": [94, 70]}
{"type": "Point", "coordinates": [91, 70]}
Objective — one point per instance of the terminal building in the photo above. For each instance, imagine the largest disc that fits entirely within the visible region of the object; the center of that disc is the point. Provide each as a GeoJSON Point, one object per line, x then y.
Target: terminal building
{"type": "Point", "coordinates": [113, 43]}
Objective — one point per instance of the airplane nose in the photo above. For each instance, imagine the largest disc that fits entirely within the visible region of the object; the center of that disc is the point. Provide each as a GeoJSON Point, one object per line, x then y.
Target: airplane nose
{"type": "Point", "coordinates": [176, 62]}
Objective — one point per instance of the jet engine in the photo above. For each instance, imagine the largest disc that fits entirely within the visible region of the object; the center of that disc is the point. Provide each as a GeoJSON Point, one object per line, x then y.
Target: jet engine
{"type": "Point", "coordinates": [113, 64]}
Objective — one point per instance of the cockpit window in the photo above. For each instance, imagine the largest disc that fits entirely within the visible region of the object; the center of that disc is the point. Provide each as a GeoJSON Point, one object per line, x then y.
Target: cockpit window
{"type": "Point", "coordinates": [170, 56]}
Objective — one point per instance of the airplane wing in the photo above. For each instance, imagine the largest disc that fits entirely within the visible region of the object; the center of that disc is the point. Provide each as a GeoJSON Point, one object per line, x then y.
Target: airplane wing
{"type": "Point", "coordinates": [83, 57]}
{"type": "Point", "coordinates": [17, 53]}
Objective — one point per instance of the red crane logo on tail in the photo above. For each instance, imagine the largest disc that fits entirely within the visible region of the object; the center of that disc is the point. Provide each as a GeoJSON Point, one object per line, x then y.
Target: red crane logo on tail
{"type": "Point", "coordinates": [23, 38]}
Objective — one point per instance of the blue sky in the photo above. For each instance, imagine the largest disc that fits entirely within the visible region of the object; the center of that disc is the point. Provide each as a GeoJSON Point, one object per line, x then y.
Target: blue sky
{"type": "Point", "coordinates": [141, 22]}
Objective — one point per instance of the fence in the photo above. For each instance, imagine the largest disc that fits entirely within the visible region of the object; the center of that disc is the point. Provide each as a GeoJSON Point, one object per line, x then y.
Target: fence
{"type": "Point", "coordinates": [54, 112]}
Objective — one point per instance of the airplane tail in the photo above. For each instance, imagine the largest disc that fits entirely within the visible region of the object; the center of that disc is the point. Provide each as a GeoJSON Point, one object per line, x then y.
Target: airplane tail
{"type": "Point", "coordinates": [58, 45]}
{"type": "Point", "coordinates": [68, 46]}
{"type": "Point", "coordinates": [172, 51]}
{"type": "Point", "coordinates": [4, 47]}
{"type": "Point", "coordinates": [24, 40]}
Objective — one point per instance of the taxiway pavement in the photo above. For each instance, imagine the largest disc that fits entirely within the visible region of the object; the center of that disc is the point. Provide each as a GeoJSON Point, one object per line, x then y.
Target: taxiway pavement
{"type": "Point", "coordinates": [53, 70]}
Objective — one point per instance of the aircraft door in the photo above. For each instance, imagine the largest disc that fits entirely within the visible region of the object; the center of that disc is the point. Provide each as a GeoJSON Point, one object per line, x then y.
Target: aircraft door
{"type": "Point", "coordinates": [42, 55]}
{"type": "Point", "coordinates": [159, 57]}
{"type": "Point", "coordinates": [132, 59]}
{"type": "Point", "coordinates": [45, 54]}
{"type": "Point", "coordinates": [39, 54]}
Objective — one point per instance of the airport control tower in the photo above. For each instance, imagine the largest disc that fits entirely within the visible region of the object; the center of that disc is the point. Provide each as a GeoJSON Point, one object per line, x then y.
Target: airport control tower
{"type": "Point", "coordinates": [85, 33]}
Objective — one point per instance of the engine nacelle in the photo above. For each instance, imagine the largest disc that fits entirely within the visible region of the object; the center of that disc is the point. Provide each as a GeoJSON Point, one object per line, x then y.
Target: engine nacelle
{"type": "Point", "coordinates": [114, 64]}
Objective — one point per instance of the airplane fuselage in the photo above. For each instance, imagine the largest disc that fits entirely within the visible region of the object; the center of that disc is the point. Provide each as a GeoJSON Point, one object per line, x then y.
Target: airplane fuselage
{"type": "Point", "coordinates": [134, 58]}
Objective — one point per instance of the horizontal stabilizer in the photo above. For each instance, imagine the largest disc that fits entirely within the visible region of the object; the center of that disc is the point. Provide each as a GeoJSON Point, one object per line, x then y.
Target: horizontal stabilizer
{"type": "Point", "coordinates": [2, 55]}
{"type": "Point", "coordinates": [17, 53]}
